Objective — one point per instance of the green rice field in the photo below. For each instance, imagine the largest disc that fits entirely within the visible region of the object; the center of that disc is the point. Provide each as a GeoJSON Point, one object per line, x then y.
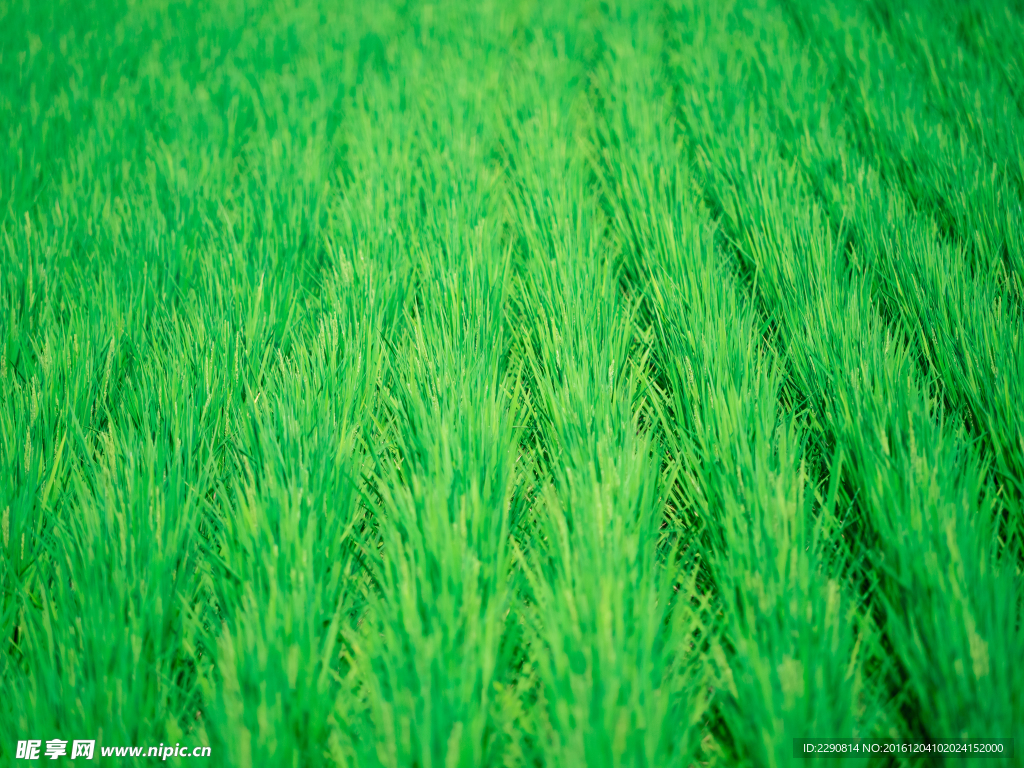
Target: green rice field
{"type": "Point", "coordinates": [511, 383]}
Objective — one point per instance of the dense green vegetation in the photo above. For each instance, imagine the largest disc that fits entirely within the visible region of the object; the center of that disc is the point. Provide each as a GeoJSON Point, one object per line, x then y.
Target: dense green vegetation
{"type": "Point", "coordinates": [511, 383]}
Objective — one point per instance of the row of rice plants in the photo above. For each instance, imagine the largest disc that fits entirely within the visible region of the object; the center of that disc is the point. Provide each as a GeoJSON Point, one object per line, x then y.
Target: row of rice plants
{"type": "Point", "coordinates": [610, 614]}
{"type": "Point", "coordinates": [794, 641]}
{"type": "Point", "coordinates": [432, 653]}
{"type": "Point", "coordinates": [160, 578]}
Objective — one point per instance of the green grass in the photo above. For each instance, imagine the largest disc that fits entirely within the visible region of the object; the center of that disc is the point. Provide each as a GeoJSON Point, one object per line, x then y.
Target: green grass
{"type": "Point", "coordinates": [511, 384]}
